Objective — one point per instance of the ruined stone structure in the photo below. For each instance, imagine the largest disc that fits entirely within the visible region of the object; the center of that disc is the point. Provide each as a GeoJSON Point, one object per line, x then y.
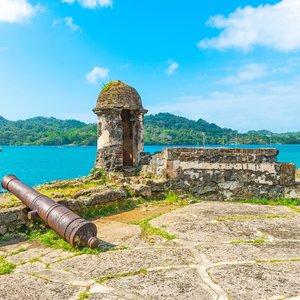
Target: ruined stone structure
{"type": "Point", "coordinates": [120, 127]}
{"type": "Point", "coordinates": [216, 173]}
{"type": "Point", "coordinates": [221, 173]}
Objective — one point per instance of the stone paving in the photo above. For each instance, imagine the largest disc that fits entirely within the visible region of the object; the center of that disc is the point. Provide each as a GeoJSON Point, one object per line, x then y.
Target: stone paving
{"type": "Point", "coordinates": [221, 251]}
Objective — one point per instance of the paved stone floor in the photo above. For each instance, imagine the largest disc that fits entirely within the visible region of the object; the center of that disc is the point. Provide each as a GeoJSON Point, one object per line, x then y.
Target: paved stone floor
{"type": "Point", "coordinates": [221, 251]}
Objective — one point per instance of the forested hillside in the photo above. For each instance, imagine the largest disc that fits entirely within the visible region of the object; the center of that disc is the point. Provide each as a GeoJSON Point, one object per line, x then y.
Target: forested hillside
{"type": "Point", "coordinates": [163, 128]}
{"type": "Point", "coordinates": [46, 131]}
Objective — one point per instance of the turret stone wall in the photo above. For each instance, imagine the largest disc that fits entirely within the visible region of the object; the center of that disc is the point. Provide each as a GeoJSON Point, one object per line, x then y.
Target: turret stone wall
{"type": "Point", "coordinates": [120, 127]}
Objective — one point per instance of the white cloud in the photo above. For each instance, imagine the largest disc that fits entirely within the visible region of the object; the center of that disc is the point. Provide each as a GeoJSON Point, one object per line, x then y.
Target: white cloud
{"type": "Point", "coordinates": [272, 106]}
{"type": "Point", "coordinates": [97, 73]}
{"type": "Point", "coordinates": [274, 26]}
{"type": "Point", "coordinates": [172, 67]}
{"type": "Point", "coordinates": [17, 11]}
{"type": "Point", "coordinates": [247, 73]}
{"type": "Point", "coordinates": [3, 49]}
{"type": "Point", "coordinates": [68, 22]}
{"type": "Point", "coordinates": [91, 4]}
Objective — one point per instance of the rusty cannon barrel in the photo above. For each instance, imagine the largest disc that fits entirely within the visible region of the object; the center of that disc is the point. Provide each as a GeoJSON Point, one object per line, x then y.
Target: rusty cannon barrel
{"type": "Point", "coordinates": [67, 224]}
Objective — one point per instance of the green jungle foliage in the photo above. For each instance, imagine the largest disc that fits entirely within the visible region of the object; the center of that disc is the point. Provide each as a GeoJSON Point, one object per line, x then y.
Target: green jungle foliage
{"type": "Point", "coordinates": [163, 129]}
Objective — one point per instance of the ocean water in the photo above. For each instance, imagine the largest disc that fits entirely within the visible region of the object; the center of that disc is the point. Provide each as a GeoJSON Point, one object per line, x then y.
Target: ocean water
{"type": "Point", "coordinates": [39, 164]}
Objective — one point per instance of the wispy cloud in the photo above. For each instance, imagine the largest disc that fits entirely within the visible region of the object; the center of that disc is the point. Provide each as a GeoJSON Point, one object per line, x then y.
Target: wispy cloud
{"type": "Point", "coordinates": [91, 4]}
{"type": "Point", "coordinates": [97, 73]}
{"type": "Point", "coordinates": [247, 73]}
{"type": "Point", "coordinates": [172, 67]}
{"type": "Point", "coordinates": [68, 22]}
{"type": "Point", "coordinates": [17, 11]}
{"type": "Point", "coordinates": [272, 105]}
{"type": "Point", "coordinates": [3, 49]}
{"type": "Point", "coordinates": [274, 26]}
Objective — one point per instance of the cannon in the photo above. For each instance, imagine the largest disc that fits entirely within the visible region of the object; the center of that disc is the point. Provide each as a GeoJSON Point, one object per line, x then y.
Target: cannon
{"type": "Point", "coordinates": [67, 224]}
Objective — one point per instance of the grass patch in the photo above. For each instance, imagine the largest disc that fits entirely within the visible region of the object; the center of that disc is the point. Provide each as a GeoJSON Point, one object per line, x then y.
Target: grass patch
{"type": "Point", "coordinates": [250, 217]}
{"type": "Point", "coordinates": [83, 295]}
{"type": "Point", "coordinates": [66, 191]}
{"type": "Point", "coordinates": [148, 229]}
{"type": "Point", "coordinates": [12, 201]}
{"type": "Point", "coordinates": [16, 252]}
{"type": "Point", "coordinates": [170, 198]}
{"type": "Point", "coordinates": [108, 85]}
{"type": "Point", "coordinates": [113, 276]}
{"type": "Point", "coordinates": [6, 238]}
{"type": "Point", "coordinates": [41, 277]}
{"type": "Point", "coordinates": [49, 238]}
{"type": "Point", "coordinates": [295, 259]}
{"type": "Point", "coordinates": [256, 241]}
{"type": "Point", "coordinates": [6, 267]}
{"type": "Point", "coordinates": [35, 259]}
{"type": "Point", "coordinates": [108, 209]}
{"type": "Point", "coordinates": [295, 208]}
{"type": "Point", "coordinates": [293, 204]}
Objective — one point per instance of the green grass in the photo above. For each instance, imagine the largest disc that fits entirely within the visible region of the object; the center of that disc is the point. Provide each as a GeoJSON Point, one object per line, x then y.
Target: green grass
{"type": "Point", "coordinates": [35, 259]}
{"type": "Point", "coordinates": [5, 238]}
{"type": "Point", "coordinates": [250, 217]}
{"type": "Point", "coordinates": [108, 85]}
{"type": "Point", "coordinates": [16, 252]}
{"type": "Point", "coordinates": [295, 208]}
{"type": "Point", "coordinates": [169, 198]}
{"type": "Point", "coordinates": [13, 201]}
{"type": "Point", "coordinates": [66, 191]}
{"type": "Point", "coordinates": [256, 241]}
{"type": "Point", "coordinates": [6, 267]}
{"type": "Point", "coordinates": [41, 277]}
{"type": "Point", "coordinates": [293, 204]}
{"type": "Point", "coordinates": [148, 229]}
{"type": "Point", "coordinates": [49, 238]}
{"type": "Point", "coordinates": [295, 259]}
{"type": "Point", "coordinates": [113, 276]}
{"type": "Point", "coordinates": [108, 209]}
{"type": "Point", "coordinates": [83, 295]}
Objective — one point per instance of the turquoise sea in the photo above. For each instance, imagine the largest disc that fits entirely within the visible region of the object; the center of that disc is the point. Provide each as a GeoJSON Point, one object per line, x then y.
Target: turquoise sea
{"type": "Point", "coordinates": [39, 164]}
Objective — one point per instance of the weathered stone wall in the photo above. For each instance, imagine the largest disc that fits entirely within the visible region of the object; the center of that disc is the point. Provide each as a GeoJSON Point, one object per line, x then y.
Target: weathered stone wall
{"type": "Point", "coordinates": [221, 173]}
{"type": "Point", "coordinates": [110, 134]}
{"type": "Point", "coordinates": [111, 143]}
{"type": "Point", "coordinates": [81, 203]}
{"type": "Point", "coordinates": [120, 127]}
{"type": "Point", "coordinates": [11, 219]}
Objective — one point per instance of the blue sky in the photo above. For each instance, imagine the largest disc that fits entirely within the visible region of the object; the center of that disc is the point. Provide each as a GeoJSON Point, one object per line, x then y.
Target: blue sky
{"type": "Point", "coordinates": [234, 63]}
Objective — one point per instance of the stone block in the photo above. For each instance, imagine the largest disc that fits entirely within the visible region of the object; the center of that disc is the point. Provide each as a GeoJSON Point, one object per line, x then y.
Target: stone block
{"type": "Point", "coordinates": [141, 190]}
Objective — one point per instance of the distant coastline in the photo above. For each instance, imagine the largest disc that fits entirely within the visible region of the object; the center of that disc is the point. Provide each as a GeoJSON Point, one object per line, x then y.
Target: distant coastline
{"type": "Point", "coordinates": [160, 129]}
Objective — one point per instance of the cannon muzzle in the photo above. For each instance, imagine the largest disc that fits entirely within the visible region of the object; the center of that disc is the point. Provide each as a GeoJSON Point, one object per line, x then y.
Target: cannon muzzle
{"type": "Point", "coordinates": [67, 224]}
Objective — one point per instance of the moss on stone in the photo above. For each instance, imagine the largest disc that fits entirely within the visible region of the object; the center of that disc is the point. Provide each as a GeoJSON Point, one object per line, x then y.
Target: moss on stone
{"type": "Point", "coordinates": [116, 94]}
{"type": "Point", "coordinates": [83, 295]}
{"type": "Point", "coordinates": [108, 85]}
{"type": "Point", "coordinates": [113, 276]}
{"type": "Point", "coordinates": [256, 241]}
{"type": "Point", "coordinates": [295, 259]}
{"type": "Point", "coordinates": [251, 217]}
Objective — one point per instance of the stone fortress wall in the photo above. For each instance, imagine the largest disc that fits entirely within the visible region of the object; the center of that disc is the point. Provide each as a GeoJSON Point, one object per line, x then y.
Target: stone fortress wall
{"type": "Point", "coordinates": [222, 173]}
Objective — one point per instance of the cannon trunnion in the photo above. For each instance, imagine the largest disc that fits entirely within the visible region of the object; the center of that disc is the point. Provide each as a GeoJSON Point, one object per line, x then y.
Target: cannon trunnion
{"type": "Point", "coordinates": [67, 224]}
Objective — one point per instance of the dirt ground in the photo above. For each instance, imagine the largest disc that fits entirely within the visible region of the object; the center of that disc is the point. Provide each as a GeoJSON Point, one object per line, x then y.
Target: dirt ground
{"type": "Point", "coordinates": [220, 251]}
